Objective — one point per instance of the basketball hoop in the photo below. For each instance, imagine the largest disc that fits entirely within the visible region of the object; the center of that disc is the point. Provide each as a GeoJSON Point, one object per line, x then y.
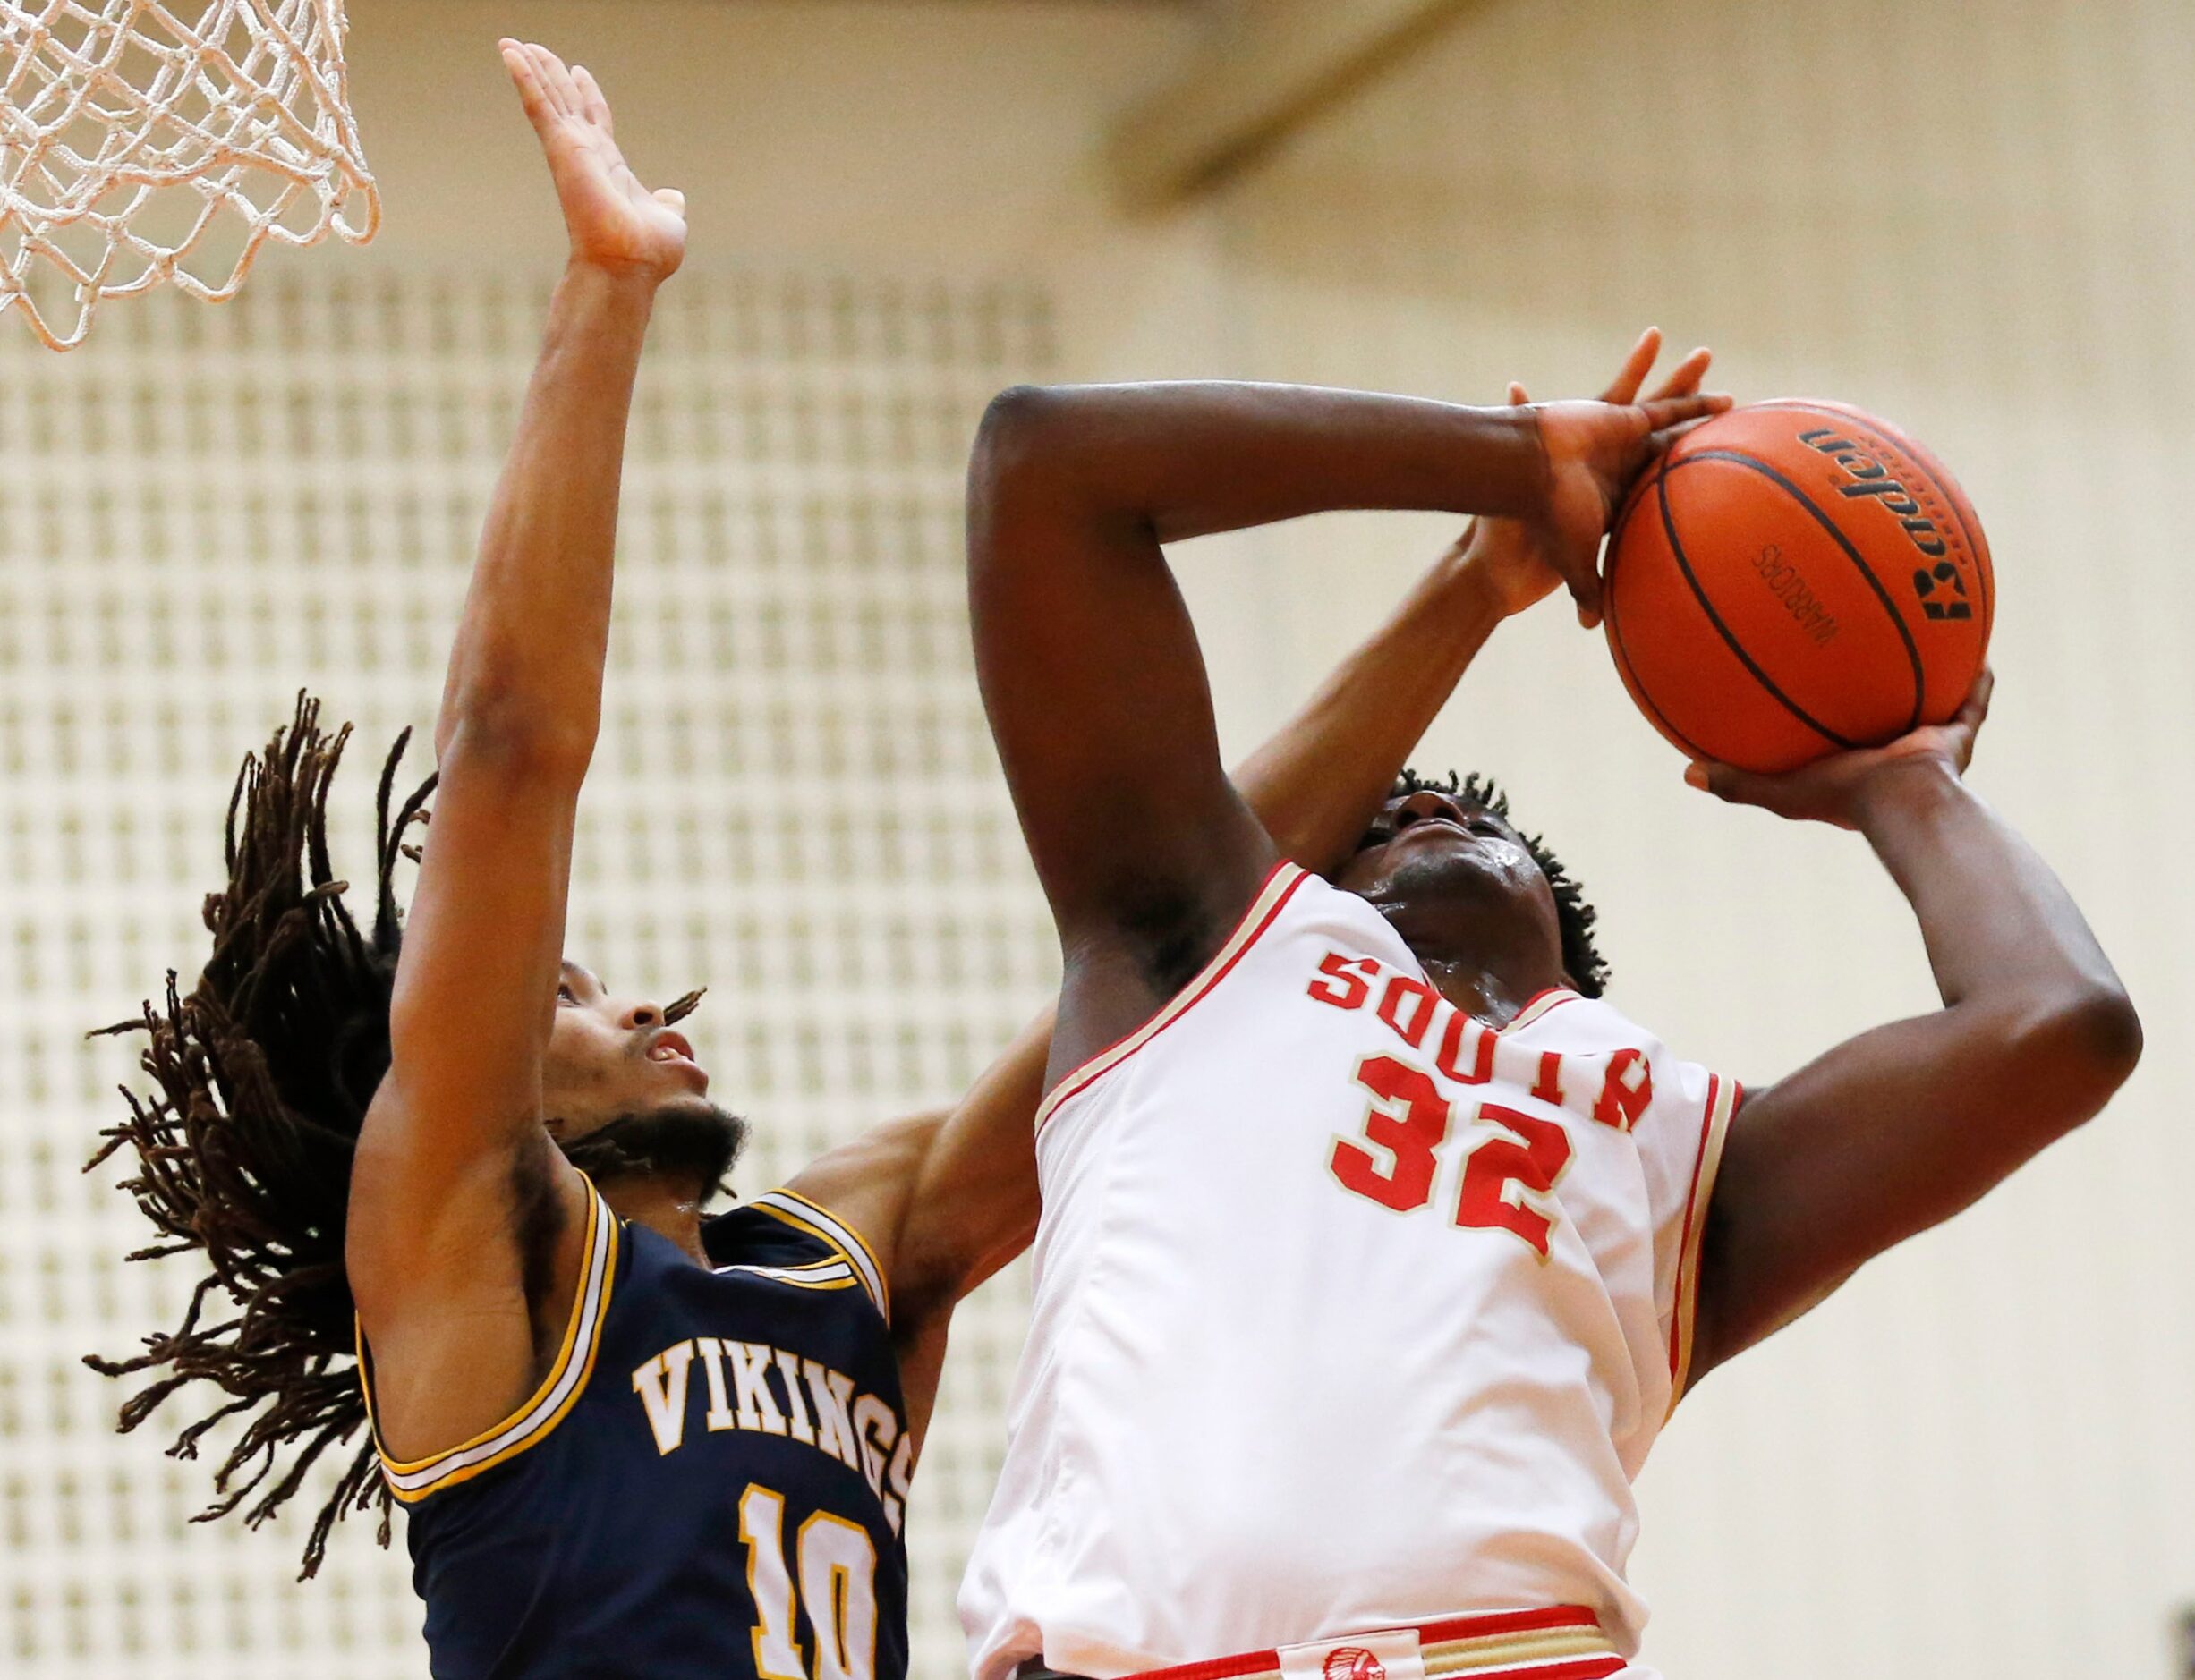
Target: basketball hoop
{"type": "Point", "coordinates": [144, 142]}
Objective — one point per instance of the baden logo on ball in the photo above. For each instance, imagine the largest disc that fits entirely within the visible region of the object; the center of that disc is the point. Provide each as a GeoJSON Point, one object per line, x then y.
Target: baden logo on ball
{"type": "Point", "coordinates": [1794, 579]}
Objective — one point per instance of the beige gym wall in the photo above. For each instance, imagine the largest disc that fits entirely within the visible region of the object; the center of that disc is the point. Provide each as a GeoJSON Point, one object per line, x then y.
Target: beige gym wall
{"type": "Point", "coordinates": [1975, 1462]}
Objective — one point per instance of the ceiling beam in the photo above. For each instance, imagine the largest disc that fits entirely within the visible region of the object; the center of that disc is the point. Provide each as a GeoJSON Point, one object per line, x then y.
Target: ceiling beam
{"type": "Point", "coordinates": [1277, 66]}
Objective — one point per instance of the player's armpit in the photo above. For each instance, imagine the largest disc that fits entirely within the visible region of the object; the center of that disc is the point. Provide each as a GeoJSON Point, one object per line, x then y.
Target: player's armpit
{"type": "Point", "coordinates": [1887, 1135]}
{"type": "Point", "coordinates": [465, 1300]}
{"type": "Point", "coordinates": [945, 1199]}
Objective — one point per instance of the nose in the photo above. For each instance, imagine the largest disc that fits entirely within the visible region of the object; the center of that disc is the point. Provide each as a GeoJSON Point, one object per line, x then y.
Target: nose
{"type": "Point", "coordinates": [1424, 803]}
{"type": "Point", "coordinates": [640, 1016]}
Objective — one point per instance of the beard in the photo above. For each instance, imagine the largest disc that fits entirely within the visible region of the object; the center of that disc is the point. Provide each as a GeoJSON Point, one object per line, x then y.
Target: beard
{"type": "Point", "coordinates": [693, 1143]}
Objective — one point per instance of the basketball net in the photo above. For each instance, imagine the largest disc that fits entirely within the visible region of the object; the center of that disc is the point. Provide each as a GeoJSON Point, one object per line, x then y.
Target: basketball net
{"type": "Point", "coordinates": [144, 143]}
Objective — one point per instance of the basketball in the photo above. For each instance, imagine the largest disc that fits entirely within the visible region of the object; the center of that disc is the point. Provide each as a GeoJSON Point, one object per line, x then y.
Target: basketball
{"type": "Point", "coordinates": [1794, 579]}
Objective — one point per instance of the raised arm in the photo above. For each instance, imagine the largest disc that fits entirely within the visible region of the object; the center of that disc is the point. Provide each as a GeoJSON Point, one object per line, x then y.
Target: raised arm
{"type": "Point", "coordinates": [1900, 1128]}
{"type": "Point", "coordinates": [465, 1224]}
{"type": "Point", "coordinates": [949, 1198]}
{"type": "Point", "coordinates": [1090, 669]}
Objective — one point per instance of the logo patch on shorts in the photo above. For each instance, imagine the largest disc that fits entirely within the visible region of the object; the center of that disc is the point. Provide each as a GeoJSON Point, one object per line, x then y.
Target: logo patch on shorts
{"type": "Point", "coordinates": [1360, 1657]}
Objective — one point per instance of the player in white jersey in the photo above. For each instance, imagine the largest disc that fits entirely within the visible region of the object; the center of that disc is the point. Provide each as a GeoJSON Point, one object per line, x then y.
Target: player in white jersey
{"type": "Point", "coordinates": [1376, 1247]}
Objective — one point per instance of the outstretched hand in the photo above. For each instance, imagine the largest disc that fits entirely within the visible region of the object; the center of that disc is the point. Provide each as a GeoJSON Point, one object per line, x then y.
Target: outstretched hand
{"type": "Point", "coordinates": [1594, 452]}
{"type": "Point", "coordinates": [614, 222]}
{"type": "Point", "coordinates": [1836, 789]}
{"type": "Point", "coordinates": [1507, 552]}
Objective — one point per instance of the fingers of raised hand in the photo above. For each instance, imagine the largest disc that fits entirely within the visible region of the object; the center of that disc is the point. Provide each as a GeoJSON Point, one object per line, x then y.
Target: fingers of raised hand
{"type": "Point", "coordinates": [543, 83]}
{"type": "Point", "coordinates": [1728, 783]}
{"type": "Point", "coordinates": [591, 100]}
{"type": "Point", "coordinates": [1517, 395]}
{"type": "Point", "coordinates": [1974, 711]}
{"type": "Point", "coordinates": [1658, 443]}
{"type": "Point", "coordinates": [555, 79]}
{"type": "Point", "coordinates": [1636, 366]}
{"type": "Point", "coordinates": [519, 63]}
{"type": "Point", "coordinates": [1665, 411]}
{"type": "Point", "coordinates": [1685, 377]}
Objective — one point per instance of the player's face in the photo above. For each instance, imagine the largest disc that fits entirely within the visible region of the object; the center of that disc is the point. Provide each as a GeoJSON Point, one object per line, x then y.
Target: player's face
{"type": "Point", "coordinates": [1429, 856]}
{"type": "Point", "coordinates": [609, 1058]}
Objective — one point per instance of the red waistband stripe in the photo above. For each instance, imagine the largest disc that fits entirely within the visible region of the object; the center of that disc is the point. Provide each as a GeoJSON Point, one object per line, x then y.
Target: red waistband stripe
{"type": "Point", "coordinates": [1564, 1643]}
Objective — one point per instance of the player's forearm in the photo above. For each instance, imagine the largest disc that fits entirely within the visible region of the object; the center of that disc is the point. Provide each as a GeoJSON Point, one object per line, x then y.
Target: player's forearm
{"type": "Point", "coordinates": [2004, 938]}
{"type": "Point", "coordinates": [1319, 782]}
{"type": "Point", "coordinates": [1192, 459]}
{"type": "Point", "coordinates": [530, 651]}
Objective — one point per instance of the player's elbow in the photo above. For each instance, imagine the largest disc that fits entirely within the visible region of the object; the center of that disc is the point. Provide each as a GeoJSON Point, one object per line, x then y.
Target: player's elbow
{"type": "Point", "coordinates": [2105, 1033]}
{"type": "Point", "coordinates": [2082, 1045]}
{"type": "Point", "coordinates": [1018, 438]}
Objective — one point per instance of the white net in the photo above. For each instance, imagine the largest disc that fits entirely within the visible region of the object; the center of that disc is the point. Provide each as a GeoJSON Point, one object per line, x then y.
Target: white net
{"type": "Point", "coordinates": [144, 143]}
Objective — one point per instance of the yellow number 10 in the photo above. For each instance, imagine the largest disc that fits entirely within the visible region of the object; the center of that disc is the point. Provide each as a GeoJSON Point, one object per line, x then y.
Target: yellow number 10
{"type": "Point", "coordinates": [837, 1584]}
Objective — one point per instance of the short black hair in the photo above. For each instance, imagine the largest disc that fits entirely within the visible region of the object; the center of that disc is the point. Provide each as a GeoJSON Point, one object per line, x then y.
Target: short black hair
{"type": "Point", "coordinates": [1581, 957]}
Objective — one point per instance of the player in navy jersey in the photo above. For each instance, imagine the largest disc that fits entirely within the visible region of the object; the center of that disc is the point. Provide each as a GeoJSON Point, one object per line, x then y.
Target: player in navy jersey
{"type": "Point", "coordinates": [632, 1440]}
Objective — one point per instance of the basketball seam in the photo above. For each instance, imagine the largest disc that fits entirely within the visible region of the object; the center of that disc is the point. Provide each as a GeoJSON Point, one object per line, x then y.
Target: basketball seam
{"type": "Point", "coordinates": [1859, 564]}
{"type": "Point", "coordinates": [1911, 449]}
{"type": "Point", "coordinates": [1635, 684]}
{"type": "Point", "coordinates": [1676, 548]}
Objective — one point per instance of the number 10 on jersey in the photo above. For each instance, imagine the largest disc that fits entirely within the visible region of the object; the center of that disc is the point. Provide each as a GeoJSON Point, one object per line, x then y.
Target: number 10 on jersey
{"type": "Point", "coordinates": [1394, 1162]}
{"type": "Point", "coordinates": [837, 1570]}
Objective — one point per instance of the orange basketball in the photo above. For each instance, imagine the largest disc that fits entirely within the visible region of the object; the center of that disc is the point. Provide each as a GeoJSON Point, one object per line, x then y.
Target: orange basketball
{"type": "Point", "coordinates": [1793, 578]}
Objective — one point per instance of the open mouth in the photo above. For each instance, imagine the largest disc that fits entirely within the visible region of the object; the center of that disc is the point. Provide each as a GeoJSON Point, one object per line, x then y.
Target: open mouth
{"type": "Point", "coordinates": [1441, 824]}
{"type": "Point", "coordinates": [670, 1046]}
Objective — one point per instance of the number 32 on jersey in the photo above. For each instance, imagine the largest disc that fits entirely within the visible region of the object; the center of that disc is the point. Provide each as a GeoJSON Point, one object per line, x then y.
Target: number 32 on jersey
{"type": "Point", "coordinates": [1394, 1162]}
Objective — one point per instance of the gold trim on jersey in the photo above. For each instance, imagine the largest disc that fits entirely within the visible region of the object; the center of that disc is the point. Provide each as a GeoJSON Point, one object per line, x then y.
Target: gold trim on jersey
{"type": "Point", "coordinates": [412, 1481]}
{"type": "Point", "coordinates": [1503, 1650]}
{"type": "Point", "coordinates": [1722, 1098]}
{"type": "Point", "coordinates": [795, 1209]}
{"type": "Point", "coordinates": [1539, 1008]}
{"type": "Point", "coordinates": [824, 1274]}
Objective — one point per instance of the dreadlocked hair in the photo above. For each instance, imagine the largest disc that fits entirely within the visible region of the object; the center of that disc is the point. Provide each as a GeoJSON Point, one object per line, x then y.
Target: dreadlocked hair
{"type": "Point", "coordinates": [1581, 957]}
{"type": "Point", "coordinates": [261, 1075]}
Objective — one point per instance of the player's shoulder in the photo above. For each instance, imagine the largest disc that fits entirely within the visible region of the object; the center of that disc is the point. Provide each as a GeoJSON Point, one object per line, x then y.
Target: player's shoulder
{"type": "Point", "coordinates": [782, 1233]}
{"type": "Point", "coordinates": [1297, 906]}
{"type": "Point", "coordinates": [1563, 1017]}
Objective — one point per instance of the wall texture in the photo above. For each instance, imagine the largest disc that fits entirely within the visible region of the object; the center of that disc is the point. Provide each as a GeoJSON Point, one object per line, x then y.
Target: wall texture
{"type": "Point", "coordinates": [1973, 1463]}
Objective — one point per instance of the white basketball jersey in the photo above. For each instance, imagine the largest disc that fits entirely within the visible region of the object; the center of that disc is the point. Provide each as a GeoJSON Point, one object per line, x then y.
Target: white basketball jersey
{"type": "Point", "coordinates": [1351, 1312]}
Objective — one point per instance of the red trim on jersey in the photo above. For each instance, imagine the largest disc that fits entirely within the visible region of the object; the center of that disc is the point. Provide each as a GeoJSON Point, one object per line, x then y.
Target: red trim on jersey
{"type": "Point", "coordinates": [1232, 950]}
{"type": "Point", "coordinates": [1677, 1353]}
{"type": "Point", "coordinates": [1506, 1622]}
{"type": "Point", "coordinates": [1593, 1667]}
{"type": "Point", "coordinates": [1561, 995]}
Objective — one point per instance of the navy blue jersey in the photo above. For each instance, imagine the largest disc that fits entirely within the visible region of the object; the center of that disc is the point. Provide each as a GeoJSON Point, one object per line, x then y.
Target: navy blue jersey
{"type": "Point", "coordinates": [710, 1482]}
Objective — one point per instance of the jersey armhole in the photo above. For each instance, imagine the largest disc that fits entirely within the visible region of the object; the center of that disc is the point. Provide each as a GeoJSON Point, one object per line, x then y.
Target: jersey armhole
{"type": "Point", "coordinates": [566, 1379]}
{"type": "Point", "coordinates": [1724, 1095]}
{"type": "Point", "coordinates": [793, 1208]}
{"type": "Point", "coordinates": [1280, 886]}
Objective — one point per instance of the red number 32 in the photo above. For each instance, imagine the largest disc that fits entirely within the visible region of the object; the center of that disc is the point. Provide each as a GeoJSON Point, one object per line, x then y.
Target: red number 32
{"type": "Point", "coordinates": [1408, 1119]}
